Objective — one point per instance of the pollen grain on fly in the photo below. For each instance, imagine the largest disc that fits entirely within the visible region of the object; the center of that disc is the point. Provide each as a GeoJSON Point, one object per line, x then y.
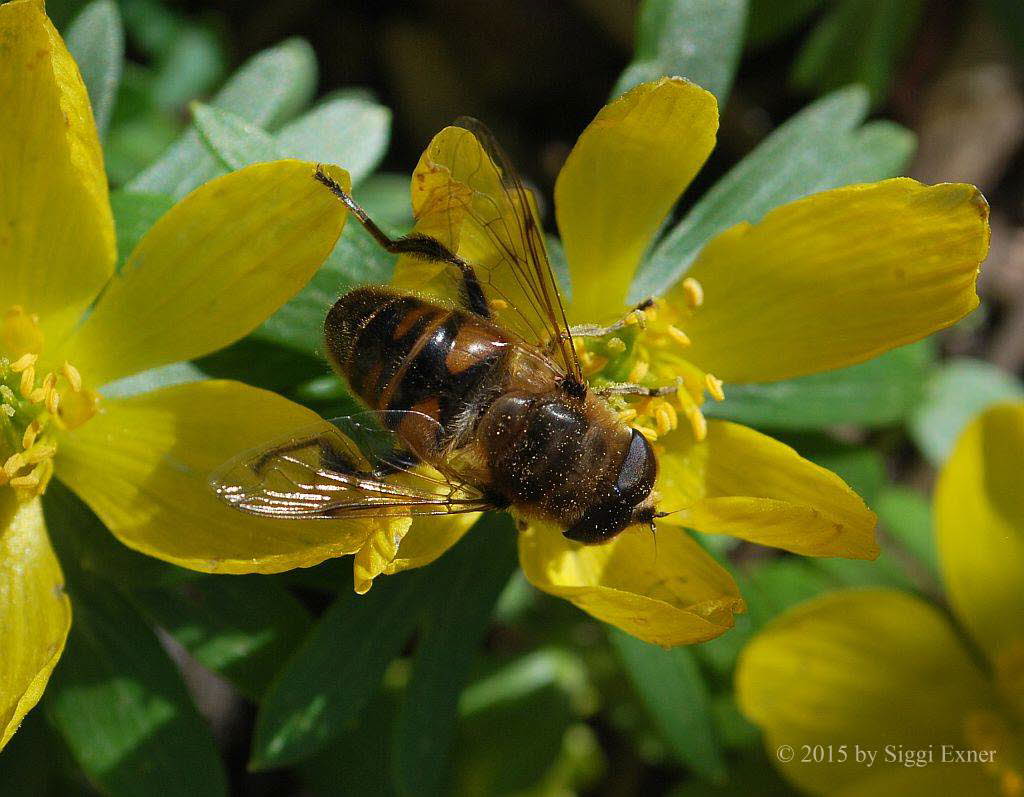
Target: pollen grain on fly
{"type": "Point", "coordinates": [32, 408]}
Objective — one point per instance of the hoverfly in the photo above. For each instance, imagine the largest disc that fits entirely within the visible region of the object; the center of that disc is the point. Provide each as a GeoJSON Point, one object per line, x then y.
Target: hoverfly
{"type": "Point", "coordinates": [466, 412]}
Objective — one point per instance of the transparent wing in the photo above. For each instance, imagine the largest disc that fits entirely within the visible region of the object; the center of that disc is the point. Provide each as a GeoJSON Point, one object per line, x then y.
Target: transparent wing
{"type": "Point", "coordinates": [467, 194]}
{"type": "Point", "coordinates": [347, 467]}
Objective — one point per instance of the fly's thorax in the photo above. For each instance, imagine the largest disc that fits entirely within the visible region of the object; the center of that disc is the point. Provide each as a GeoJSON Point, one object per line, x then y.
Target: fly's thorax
{"type": "Point", "coordinates": [567, 461]}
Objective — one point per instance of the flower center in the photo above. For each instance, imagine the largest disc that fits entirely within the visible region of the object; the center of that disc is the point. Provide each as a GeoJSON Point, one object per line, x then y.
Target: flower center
{"type": "Point", "coordinates": [36, 405]}
{"type": "Point", "coordinates": [649, 350]}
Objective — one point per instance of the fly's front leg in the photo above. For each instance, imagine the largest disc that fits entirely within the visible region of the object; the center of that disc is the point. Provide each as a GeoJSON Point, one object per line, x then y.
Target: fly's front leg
{"type": "Point", "coordinates": [634, 316]}
{"type": "Point", "coordinates": [632, 389]}
{"type": "Point", "coordinates": [416, 245]}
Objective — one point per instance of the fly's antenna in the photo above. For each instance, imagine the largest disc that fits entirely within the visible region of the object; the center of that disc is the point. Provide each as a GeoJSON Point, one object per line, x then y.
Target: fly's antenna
{"type": "Point", "coordinates": [654, 536]}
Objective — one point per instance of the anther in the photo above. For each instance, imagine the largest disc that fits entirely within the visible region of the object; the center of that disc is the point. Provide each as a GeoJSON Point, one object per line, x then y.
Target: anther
{"type": "Point", "coordinates": [24, 362]}
{"type": "Point", "coordinates": [39, 452]}
{"type": "Point", "coordinates": [14, 463]}
{"type": "Point", "coordinates": [678, 335]}
{"type": "Point", "coordinates": [694, 293]}
{"type": "Point", "coordinates": [616, 345]}
{"type": "Point", "coordinates": [714, 386]}
{"type": "Point", "coordinates": [8, 395]}
{"type": "Point", "coordinates": [31, 432]}
{"type": "Point", "coordinates": [28, 379]}
{"type": "Point", "coordinates": [498, 304]}
{"type": "Point", "coordinates": [73, 376]}
{"type": "Point", "coordinates": [647, 432]}
{"type": "Point", "coordinates": [52, 401]}
{"type": "Point", "coordinates": [627, 415]}
{"type": "Point", "coordinates": [698, 423]}
{"type": "Point", "coordinates": [639, 371]}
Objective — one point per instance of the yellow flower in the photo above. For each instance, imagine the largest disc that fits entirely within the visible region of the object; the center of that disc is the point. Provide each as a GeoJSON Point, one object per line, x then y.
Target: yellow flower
{"type": "Point", "coordinates": [942, 710]}
{"type": "Point", "coordinates": [208, 272]}
{"type": "Point", "coordinates": [819, 283]}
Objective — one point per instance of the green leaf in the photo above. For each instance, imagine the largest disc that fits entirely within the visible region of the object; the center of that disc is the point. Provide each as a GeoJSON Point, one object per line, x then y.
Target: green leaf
{"type": "Point", "coordinates": [261, 363]}
{"type": "Point", "coordinates": [514, 722]}
{"type": "Point", "coordinates": [351, 131]}
{"type": "Point", "coordinates": [957, 391]}
{"type": "Point", "coordinates": [242, 627]}
{"type": "Point", "coordinates": [471, 577]}
{"type": "Point", "coordinates": [194, 63]}
{"type": "Point", "coordinates": [858, 41]}
{"type": "Point", "coordinates": [879, 392]}
{"type": "Point", "coordinates": [234, 141]}
{"type": "Point", "coordinates": [385, 197]}
{"type": "Point", "coordinates": [134, 215]}
{"type": "Point", "coordinates": [906, 516]}
{"type": "Point", "coordinates": [770, 20]}
{"type": "Point", "coordinates": [151, 25]}
{"type": "Point", "coordinates": [269, 89]}
{"type": "Point", "coordinates": [329, 680]}
{"type": "Point", "coordinates": [120, 704]}
{"type": "Point", "coordinates": [37, 762]}
{"type": "Point", "coordinates": [821, 147]}
{"type": "Point", "coordinates": [96, 40]}
{"type": "Point", "coordinates": [671, 686]}
{"type": "Point", "coordinates": [356, 259]}
{"type": "Point", "coordinates": [696, 39]}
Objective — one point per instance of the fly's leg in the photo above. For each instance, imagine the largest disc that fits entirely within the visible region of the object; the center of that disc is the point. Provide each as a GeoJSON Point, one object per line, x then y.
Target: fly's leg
{"type": "Point", "coordinates": [632, 389]}
{"type": "Point", "coordinates": [416, 245]}
{"type": "Point", "coordinates": [634, 316]}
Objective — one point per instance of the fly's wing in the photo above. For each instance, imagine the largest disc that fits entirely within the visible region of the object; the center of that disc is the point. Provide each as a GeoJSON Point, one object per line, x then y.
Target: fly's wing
{"type": "Point", "coordinates": [348, 467]}
{"type": "Point", "coordinates": [467, 194]}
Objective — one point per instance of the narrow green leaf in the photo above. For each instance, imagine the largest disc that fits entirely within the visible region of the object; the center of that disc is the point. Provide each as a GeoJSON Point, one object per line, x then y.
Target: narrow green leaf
{"type": "Point", "coordinates": [119, 702]}
{"type": "Point", "coordinates": [879, 392]}
{"type": "Point", "coordinates": [134, 215]}
{"type": "Point", "coordinates": [194, 64]}
{"type": "Point", "coordinates": [700, 40]}
{"type": "Point", "coordinates": [351, 131]}
{"type": "Point", "coordinates": [770, 20]}
{"type": "Point", "coordinates": [328, 681]}
{"type": "Point", "coordinates": [151, 25]}
{"type": "Point", "coordinates": [858, 41]}
{"type": "Point", "coordinates": [96, 40]}
{"type": "Point", "coordinates": [671, 686]}
{"type": "Point", "coordinates": [957, 391]}
{"type": "Point", "coordinates": [269, 89]}
{"type": "Point", "coordinates": [514, 721]}
{"type": "Point", "coordinates": [262, 363]}
{"type": "Point", "coordinates": [819, 148]}
{"type": "Point", "coordinates": [356, 259]}
{"type": "Point", "coordinates": [471, 577]}
{"type": "Point", "coordinates": [235, 142]}
{"type": "Point", "coordinates": [242, 627]}
{"type": "Point", "coordinates": [906, 516]}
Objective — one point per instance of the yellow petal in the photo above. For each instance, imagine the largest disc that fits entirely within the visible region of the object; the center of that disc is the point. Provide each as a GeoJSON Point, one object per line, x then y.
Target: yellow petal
{"type": "Point", "coordinates": [390, 551]}
{"type": "Point", "coordinates": [143, 463]}
{"type": "Point", "coordinates": [625, 173]}
{"type": "Point", "coordinates": [56, 229]}
{"type": "Point", "coordinates": [211, 269]}
{"type": "Point", "coordinates": [35, 613]}
{"type": "Point", "coordinates": [979, 521]}
{"type": "Point", "coordinates": [670, 594]}
{"type": "Point", "coordinates": [836, 278]}
{"type": "Point", "coordinates": [748, 485]}
{"type": "Point", "coordinates": [861, 667]}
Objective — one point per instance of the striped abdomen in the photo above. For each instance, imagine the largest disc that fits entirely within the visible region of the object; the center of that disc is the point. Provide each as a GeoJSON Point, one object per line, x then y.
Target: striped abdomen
{"type": "Point", "coordinates": [403, 353]}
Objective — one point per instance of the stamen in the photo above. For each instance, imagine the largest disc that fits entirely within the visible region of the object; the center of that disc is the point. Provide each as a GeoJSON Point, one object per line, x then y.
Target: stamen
{"type": "Point", "coordinates": [8, 395]}
{"type": "Point", "coordinates": [23, 362]}
{"type": "Point", "coordinates": [14, 463]}
{"type": "Point", "coordinates": [7, 410]}
{"type": "Point", "coordinates": [52, 401]}
{"type": "Point", "coordinates": [647, 432]}
{"type": "Point", "coordinates": [639, 371]}
{"type": "Point", "coordinates": [75, 378]}
{"type": "Point", "coordinates": [665, 417]}
{"type": "Point", "coordinates": [714, 386]}
{"type": "Point", "coordinates": [694, 293]}
{"type": "Point", "coordinates": [38, 453]}
{"type": "Point", "coordinates": [31, 432]}
{"type": "Point", "coordinates": [498, 304]}
{"type": "Point", "coordinates": [698, 423]}
{"type": "Point", "coordinates": [627, 415]}
{"type": "Point", "coordinates": [616, 345]}
{"type": "Point", "coordinates": [28, 379]}
{"type": "Point", "coordinates": [678, 335]}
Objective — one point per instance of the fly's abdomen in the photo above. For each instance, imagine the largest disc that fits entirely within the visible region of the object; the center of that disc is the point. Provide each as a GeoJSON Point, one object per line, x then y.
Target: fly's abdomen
{"type": "Point", "coordinates": [403, 353]}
